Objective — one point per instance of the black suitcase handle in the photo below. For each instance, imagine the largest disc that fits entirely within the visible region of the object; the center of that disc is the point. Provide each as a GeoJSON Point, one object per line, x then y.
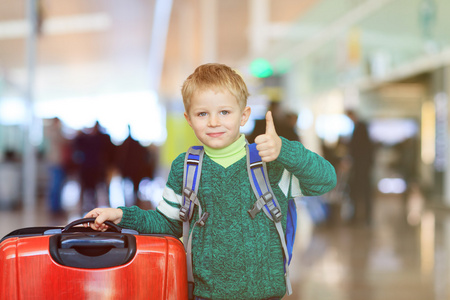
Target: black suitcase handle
{"type": "Point", "coordinates": [89, 249]}
{"type": "Point", "coordinates": [71, 227]}
{"type": "Point", "coordinates": [91, 220]}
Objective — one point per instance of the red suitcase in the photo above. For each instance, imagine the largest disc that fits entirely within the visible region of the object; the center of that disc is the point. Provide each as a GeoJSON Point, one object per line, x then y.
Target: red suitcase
{"type": "Point", "coordinates": [79, 263]}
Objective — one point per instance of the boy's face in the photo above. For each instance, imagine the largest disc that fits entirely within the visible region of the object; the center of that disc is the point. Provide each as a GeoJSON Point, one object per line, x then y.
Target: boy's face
{"type": "Point", "coordinates": [216, 118]}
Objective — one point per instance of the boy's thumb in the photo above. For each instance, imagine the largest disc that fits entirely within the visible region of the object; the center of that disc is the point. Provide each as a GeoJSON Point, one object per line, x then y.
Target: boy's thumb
{"type": "Point", "coordinates": [270, 126]}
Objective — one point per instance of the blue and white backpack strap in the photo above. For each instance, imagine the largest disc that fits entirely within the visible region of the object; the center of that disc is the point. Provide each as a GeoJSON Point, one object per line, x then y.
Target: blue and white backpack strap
{"type": "Point", "coordinates": [261, 186]}
{"type": "Point", "coordinates": [191, 181]}
{"type": "Point", "coordinates": [266, 201]}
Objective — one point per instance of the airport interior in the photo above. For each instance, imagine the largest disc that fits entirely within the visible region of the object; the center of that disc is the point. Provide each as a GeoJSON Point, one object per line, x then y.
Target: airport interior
{"type": "Point", "coordinates": [360, 82]}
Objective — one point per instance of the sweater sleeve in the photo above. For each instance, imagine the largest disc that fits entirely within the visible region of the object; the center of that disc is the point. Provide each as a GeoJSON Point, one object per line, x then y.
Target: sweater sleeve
{"type": "Point", "coordinates": [149, 221]}
{"type": "Point", "coordinates": [315, 174]}
{"type": "Point", "coordinates": [163, 220]}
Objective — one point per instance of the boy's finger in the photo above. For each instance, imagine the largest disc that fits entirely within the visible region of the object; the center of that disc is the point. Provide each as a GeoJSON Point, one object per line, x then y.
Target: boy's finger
{"type": "Point", "coordinates": [92, 214]}
{"type": "Point", "coordinates": [100, 220]}
{"type": "Point", "coordinates": [270, 126]}
{"type": "Point", "coordinates": [267, 156]}
{"type": "Point", "coordinates": [260, 139]}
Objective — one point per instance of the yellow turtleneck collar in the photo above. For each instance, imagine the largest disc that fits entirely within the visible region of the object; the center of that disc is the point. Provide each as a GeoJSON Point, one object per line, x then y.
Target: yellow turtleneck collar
{"type": "Point", "coordinates": [228, 155]}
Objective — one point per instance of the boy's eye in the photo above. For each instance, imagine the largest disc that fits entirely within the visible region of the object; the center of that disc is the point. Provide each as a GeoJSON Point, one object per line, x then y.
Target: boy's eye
{"type": "Point", "coordinates": [202, 114]}
{"type": "Point", "coordinates": [224, 112]}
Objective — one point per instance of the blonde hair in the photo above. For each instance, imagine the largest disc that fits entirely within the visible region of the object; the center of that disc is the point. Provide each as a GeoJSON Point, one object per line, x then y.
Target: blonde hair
{"type": "Point", "coordinates": [216, 77]}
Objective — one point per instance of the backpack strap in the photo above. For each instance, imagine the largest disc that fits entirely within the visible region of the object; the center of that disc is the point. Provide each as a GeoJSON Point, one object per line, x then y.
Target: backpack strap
{"type": "Point", "coordinates": [266, 201]}
{"type": "Point", "coordinates": [191, 181]}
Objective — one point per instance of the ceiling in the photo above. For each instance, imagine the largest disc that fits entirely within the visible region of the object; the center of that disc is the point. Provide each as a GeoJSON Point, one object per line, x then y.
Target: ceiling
{"type": "Point", "coordinates": [87, 48]}
{"type": "Point", "coordinates": [90, 47]}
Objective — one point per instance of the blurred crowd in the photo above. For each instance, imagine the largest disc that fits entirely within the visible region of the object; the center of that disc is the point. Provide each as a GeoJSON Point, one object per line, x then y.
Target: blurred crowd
{"type": "Point", "coordinates": [92, 159]}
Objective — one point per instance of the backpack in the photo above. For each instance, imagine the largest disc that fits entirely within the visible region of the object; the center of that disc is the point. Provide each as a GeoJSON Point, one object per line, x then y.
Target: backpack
{"type": "Point", "coordinates": [266, 201]}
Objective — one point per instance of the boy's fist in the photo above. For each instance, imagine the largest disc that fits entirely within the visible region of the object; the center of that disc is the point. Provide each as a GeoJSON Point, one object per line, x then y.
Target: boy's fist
{"type": "Point", "coordinates": [269, 143]}
{"type": "Point", "coordinates": [102, 215]}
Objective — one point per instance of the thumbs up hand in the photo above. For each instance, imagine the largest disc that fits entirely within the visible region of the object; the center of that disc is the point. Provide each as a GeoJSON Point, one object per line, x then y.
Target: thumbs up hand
{"type": "Point", "coordinates": [269, 143]}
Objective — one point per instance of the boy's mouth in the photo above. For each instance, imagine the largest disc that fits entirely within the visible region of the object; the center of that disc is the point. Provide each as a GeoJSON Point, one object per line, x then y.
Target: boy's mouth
{"type": "Point", "coordinates": [214, 134]}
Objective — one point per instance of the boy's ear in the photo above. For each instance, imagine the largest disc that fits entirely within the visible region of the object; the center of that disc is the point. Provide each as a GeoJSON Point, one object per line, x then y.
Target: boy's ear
{"type": "Point", "coordinates": [186, 116]}
{"type": "Point", "coordinates": [245, 115]}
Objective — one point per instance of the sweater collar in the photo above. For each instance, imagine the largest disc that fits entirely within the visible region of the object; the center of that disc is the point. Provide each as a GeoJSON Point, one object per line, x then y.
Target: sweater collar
{"type": "Point", "coordinates": [228, 155]}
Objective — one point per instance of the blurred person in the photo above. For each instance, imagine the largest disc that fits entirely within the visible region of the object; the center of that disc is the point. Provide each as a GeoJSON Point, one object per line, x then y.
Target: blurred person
{"type": "Point", "coordinates": [135, 162]}
{"type": "Point", "coordinates": [330, 152]}
{"type": "Point", "coordinates": [10, 180]}
{"type": "Point", "coordinates": [285, 123]}
{"type": "Point", "coordinates": [55, 158]}
{"type": "Point", "coordinates": [290, 127]}
{"type": "Point", "coordinates": [94, 154]}
{"type": "Point", "coordinates": [361, 152]}
{"type": "Point", "coordinates": [341, 205]}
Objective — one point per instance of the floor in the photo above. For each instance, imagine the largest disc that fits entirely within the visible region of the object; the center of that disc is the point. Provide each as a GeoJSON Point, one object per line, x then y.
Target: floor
{"type": "Point", "coordinates": [401, 256]}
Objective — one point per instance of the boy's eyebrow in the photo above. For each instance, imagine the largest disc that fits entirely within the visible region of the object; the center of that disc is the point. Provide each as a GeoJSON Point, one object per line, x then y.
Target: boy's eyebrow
{"type": "Point", "coordinates": [208, 108]}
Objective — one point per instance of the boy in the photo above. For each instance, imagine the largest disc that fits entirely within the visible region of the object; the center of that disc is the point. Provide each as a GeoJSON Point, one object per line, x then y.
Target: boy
{"type": "Point", "coordinates": [234, 256]}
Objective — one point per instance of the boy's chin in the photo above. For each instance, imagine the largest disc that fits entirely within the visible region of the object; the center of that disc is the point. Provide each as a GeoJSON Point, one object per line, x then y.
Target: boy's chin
{"type": "Point", "coordinates": [218, 143]}
{"type": "Point", "coordinates": [215, 144]}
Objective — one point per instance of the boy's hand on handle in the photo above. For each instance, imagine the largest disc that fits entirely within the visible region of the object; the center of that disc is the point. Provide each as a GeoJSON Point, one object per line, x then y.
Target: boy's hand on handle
{"type": "Point", "coordinates": [102, 215]}
{"type": "Point", "coordinates": [269, 143]}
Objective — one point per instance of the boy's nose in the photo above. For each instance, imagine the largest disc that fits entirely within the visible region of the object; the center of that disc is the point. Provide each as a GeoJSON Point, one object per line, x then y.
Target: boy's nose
{"type": "Point", "coordinates": [214, 121]}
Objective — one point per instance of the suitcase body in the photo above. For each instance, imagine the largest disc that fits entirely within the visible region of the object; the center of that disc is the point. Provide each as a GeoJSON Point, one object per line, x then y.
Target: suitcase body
{"type": "Point", "coordinates": [84, 264]}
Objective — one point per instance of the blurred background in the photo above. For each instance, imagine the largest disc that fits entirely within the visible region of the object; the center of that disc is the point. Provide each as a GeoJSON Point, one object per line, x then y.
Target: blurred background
{"type": "Point", "coordinates": [91, 115]}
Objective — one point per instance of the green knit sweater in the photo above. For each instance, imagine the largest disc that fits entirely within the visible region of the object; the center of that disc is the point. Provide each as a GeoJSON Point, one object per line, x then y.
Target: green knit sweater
{"type": "Point", "coordinates": [235, 257]}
